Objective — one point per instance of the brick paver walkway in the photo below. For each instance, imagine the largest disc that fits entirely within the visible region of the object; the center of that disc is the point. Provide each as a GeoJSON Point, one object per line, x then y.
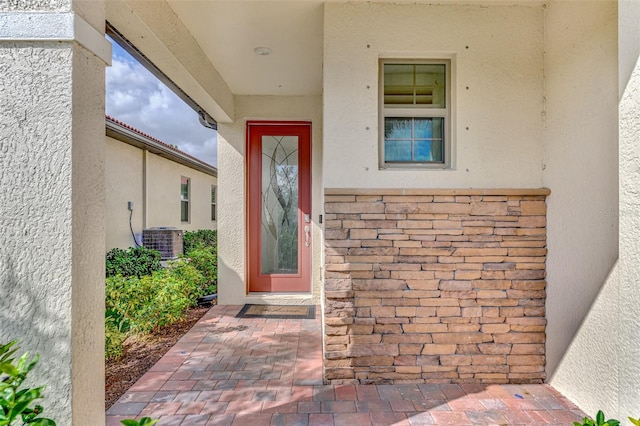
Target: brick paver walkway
{"type": "Point", "coordinates": [269, 372]}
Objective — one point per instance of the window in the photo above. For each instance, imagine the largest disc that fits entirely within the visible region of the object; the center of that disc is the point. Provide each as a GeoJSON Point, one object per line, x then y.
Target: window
{"type": "Point", "coordinates": [185, 184]}
{"type": "Point", "coordinates": [415, 103]}
{"type": "Point", "coordinates": [213, 202]}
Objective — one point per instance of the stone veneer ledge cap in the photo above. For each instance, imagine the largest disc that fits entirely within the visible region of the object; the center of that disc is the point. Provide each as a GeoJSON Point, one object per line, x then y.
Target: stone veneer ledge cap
{"type": "Point", "coordinates": [437, 191]}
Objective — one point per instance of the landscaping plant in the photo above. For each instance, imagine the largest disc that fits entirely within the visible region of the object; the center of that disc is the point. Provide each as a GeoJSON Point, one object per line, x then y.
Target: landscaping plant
{"type": "Point", "coordinates": [114, 337]}
{"type": "Point", "coordinates": [201, 250]}
{"type": "Point", "coordinates": [187, 271]}
{"type": "Point", "coordinates": [599, 421]}
{"type": "Point", "coordinates": [135, 261]}
{"type": "Point", "coordinates": [139, 305]}
{"type": "Point", "coordinates": [145, 421]}
{"type": "Point", "coordinates": [18, 404]}
{"type": "Point", "coordinates": [142, 297]}
{"type": "Point", "coordinates": [202, 237]}
{"type": "Point", "coordinates": [205, 260]}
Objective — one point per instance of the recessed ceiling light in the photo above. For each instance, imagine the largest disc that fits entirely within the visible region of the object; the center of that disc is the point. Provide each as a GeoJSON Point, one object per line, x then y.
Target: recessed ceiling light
{"type": "Point", "coordinates": [262, 51]}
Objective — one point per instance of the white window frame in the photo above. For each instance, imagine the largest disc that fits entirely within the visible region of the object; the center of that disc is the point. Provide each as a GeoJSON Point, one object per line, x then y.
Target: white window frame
{"type": "Point", "coordinates": [185, 200]}
{"type": "Point", "coordinates": [214, 203]}
{"type": "Point", "coordinates": [446, 113]}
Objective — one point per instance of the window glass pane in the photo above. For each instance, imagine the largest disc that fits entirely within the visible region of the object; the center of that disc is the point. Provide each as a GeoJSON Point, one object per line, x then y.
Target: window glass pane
{"type": "Point", "coordinates": [184, 188]}
{"type": "Point", "coordinates": [415, 84]}
{"type": "Point", "coordinates": [397, 128]}
{"type": "Point", "coordinates": [184, 211]}
{"type": "Point", "coordinates": [430, 85]}
{"type": "Point", "coordinates": [398, 84]}
{"type": "Point", "coordinates": [423, 128]}
{"type": "Point", "coordinates": [417, 140]}
{"type": "Point", "coordinates": [428, 128]}
{"type": "Point", "coordinates": [400, 75]}
{"type": "Point", "coordinates": [213, 203]}
{"type": "Point", "coordinates": [437, 151]}
{"type": "Point", "coordinates": [396, 151]}
{"type": "Point", "coordinates": [422, 150]}
{"type": "Point", "coordinates": [428, 151]}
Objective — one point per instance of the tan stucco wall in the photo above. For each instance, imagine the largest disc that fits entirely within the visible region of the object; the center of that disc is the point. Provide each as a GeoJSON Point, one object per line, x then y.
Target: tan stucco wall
{"type": "Point", "coordinates": [52, 207]}
{"type": "Point", "coordinates": [497, 53]}
{"type": "Point", "coordinates": [629, 263]}
{"type": "Point", "coordinates": [125, 182]}
{"type": "Point", "coordinates": [581, 168]}
{"type": "Point", "coordinates": [163, 195]}
{"type": "Point", "coordinates": [52, 179]}
{"type": "Point", "coordinates": [231, 223]}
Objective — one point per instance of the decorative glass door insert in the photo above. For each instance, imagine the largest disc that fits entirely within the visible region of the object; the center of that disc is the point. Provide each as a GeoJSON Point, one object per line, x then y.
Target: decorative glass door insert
{"type": "Point", "coordinates": [279, 206]}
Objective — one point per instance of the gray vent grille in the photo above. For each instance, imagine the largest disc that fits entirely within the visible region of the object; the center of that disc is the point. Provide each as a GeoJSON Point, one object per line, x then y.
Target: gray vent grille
{"type": "Point", "coordinates": [168, 241]}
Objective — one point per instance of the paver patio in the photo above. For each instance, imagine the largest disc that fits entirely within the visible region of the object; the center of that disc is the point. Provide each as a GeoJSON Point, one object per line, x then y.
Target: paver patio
{"type": "Point", "coordinates": [231, 371]}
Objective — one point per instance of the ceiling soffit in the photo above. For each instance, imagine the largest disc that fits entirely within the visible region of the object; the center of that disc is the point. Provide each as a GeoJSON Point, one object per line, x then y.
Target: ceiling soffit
{"type": "Point", "coordinates": [229, 31]}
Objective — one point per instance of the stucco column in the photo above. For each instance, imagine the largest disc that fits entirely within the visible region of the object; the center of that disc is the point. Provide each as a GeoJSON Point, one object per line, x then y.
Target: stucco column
{"type": "Point", "coordinates": [629, 171]}
{"type": "Point", "coordinates": [52, 60]}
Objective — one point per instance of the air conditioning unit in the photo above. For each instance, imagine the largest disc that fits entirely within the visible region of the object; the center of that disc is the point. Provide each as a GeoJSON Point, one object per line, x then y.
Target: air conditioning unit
{"type": "Point", "coordinates": [167, 240]}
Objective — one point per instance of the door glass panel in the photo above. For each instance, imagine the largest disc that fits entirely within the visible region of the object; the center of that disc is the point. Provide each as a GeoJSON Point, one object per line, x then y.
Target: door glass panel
{"type": "Point", "coordinates": [279, 205]}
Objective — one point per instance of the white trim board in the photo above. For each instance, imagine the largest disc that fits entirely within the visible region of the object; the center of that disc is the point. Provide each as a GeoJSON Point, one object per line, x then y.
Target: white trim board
{"type": "Point", "coordinates": [54, 26]}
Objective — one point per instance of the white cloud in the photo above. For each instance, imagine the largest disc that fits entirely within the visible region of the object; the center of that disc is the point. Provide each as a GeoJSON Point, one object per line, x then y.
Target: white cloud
{"type": "Point", "coordinates": [137, 98]}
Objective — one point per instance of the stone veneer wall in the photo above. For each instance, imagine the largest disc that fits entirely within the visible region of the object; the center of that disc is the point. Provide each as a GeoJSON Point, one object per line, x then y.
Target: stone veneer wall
{"type": "Point", "coordinates": [435, 286]}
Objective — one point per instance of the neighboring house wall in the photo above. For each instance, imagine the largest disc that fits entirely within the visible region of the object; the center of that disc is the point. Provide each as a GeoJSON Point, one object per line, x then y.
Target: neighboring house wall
{"type": "Point", "coordinates": [581, 169]}
{"type": "Point", "coordinates": [159, 204]}
{"type": "Point", "coordinates": [123, 183]}
{"type": "Point", "coordinates": [163, 195]}
{"type": "Point", "coordinates": [232, 218]}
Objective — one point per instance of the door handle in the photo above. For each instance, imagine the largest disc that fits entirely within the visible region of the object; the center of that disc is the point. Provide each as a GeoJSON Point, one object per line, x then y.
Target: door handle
{"type": "Point", "coordinates": [306, 235]}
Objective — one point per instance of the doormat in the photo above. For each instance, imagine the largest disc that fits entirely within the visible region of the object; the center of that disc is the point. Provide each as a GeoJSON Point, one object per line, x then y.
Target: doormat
{"type": "Point", "coordinates": [278, 311]}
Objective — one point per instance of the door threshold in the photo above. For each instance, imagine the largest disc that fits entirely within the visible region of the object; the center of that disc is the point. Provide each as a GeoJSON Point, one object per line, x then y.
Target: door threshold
{"type": "Point", "coordinates": [281, 298]}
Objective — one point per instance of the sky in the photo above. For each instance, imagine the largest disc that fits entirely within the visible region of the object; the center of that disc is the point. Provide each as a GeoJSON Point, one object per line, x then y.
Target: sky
{"type": "Point", "coordinates": [137, 98]}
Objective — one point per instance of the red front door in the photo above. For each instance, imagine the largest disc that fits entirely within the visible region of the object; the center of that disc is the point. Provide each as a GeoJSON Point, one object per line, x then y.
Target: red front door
{"type": "Point", "coordinates": [279, 206]}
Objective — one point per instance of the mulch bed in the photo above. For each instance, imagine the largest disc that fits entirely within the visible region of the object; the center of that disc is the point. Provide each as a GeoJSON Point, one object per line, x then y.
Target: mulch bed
{"type": "Point", "coordinates": [141, 353]}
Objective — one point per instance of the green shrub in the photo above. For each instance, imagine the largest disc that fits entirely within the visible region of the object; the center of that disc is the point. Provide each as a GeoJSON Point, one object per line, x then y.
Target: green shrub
{"type": "Point", "coordinates": [16, 403]}
{"type": "Point", "coordinates": [186, 271]}
{"type": "Point", "coordinates": [125, 298]}
{"type": "Point", "coordinates": [205, 260]}
{"type": "Point", "coordinates": [139, 305]}
{"type": "Point", "coordinates": [145, 421]}
{"type": "Point", "coordinates": [599, 421]}
{"type": "Point", "coordinates": [199, 238]}
{"type": "Point", "coordinates": [171, 299]}
{"type": "Point", "coordinates": [135, 261]}
{"type": "Point", "coordinates": [114, 338]}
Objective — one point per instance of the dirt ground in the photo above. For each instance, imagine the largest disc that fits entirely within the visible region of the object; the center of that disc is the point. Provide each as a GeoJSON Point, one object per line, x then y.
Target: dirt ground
{"type": "Point", "coordinates": [141, 354]}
